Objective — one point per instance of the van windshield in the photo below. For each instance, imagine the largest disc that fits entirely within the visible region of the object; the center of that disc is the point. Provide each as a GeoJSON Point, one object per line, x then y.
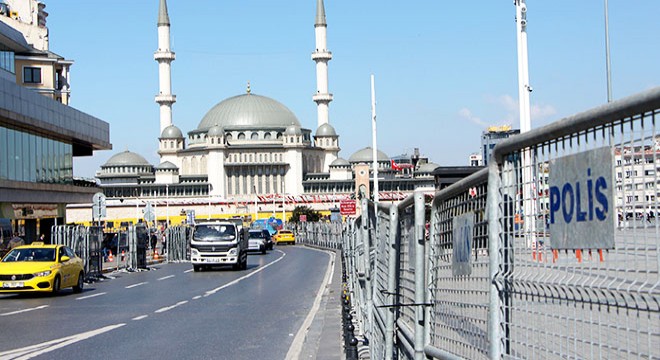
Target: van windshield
{"type": "Point", "coordinates": [214, 232]}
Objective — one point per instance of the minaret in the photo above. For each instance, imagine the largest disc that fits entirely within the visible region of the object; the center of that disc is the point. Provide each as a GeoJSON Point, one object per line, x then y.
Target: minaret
{"type": "Point", "coordinates": [321, 56]}
{"type": "Point", "coordinates": [164, 56]}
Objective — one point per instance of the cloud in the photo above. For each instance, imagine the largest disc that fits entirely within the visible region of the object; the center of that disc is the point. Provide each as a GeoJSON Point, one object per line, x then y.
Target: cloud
{"type": "Point", "coordinates": [507, 102]}
{"type": "Point", "coordinates": [467, 114]}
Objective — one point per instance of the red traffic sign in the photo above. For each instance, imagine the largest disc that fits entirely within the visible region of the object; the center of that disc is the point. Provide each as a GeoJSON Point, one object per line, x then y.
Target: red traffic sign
{"type": "Point", "coordinates": [347, 207]}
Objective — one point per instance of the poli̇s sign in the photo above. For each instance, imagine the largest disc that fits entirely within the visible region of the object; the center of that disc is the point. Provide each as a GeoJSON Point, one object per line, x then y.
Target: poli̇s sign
{"type": "Point", "coordinates": [581, 198]}
{"type": "Point", "coordinates": [463, 226]}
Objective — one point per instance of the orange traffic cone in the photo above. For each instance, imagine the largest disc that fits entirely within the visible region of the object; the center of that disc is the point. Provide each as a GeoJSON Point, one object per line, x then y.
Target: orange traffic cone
{"type": "Point", "coordinates": [110, 257]}
{"type": "Point", "coordinates": [123, 253]}
{"type": "Point", "coordinates": [155, 254]}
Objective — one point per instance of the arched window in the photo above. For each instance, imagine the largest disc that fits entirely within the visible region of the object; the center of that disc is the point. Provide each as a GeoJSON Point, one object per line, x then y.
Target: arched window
{"type": "Point", "coordinates": [279, 135]}
{"type": "Point", "coordinates": [241, 136]}
{"type": "Point", "coordinates": [228, 136]}
{"type": "Point", "coordinates": [267, 136]}
{"type": "Point", "coordinates": [254, 136]}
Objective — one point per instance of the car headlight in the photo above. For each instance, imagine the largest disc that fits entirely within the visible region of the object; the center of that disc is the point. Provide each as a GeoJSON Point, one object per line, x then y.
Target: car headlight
{"type": "Point", "coordinates": [194, 251]}
{"type": "Point", "coordinates": [43, 273]}
{"type": "Point", "coordinates": [232, 252]}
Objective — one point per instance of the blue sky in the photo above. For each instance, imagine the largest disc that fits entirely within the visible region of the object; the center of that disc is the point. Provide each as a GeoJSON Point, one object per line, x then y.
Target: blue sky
{"type": "Point", "coordinates": [444, 70]}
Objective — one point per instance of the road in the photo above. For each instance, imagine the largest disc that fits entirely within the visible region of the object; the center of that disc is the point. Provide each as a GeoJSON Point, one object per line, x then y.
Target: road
{"type": "Point", "coordinates": [171, 312]}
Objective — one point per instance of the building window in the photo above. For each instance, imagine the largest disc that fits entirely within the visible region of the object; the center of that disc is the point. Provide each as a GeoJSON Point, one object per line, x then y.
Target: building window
{"type": "Point", "coordinates": [32, 75]}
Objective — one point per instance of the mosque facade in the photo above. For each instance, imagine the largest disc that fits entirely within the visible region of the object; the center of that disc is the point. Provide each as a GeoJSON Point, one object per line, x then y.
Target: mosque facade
{"type": "Point", "coordinates": [250, 147]}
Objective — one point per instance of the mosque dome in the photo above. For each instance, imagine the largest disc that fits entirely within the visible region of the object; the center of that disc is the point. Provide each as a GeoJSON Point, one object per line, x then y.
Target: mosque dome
{"type": "Point", "coordinates": [293, 129]}
{"type": "Point", "coordinates": [248, 110]}
{"type": "Point", "coordinates": [340, 162]}
{"type": "Point", "coordinates": [366, 155]}
{"type": "Point", "coordinates": [326, 130]}
{"type": "Point", "coordinates": [171, 132]}
{"type": "Point", "coordinates": [166, 165]}
{"type": "Point", "coordinates": [126, 158]}
{"type": "Point", "coordinates": [427, 168]}
{"type": "Point", "coordinates": [216, 130]}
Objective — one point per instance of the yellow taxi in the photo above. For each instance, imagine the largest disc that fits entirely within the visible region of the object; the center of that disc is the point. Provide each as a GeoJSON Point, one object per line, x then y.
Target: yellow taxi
{"type": "Point", "coordinates": [41, 268]}
{"type": "Point", "coordinates": [284, 236]}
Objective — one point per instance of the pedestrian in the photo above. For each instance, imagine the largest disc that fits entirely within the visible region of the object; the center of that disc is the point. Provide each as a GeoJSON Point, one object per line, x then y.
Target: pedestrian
{"type": "Point", "coordinates": [42, 238]}
{"type": "Point", "coordinates": [15, 241]}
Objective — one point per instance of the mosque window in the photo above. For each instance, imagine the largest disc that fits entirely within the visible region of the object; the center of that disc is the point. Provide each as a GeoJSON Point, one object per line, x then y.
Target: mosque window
{"type": "Point", "coordinates": [228, 136]}
{"type": "Point", "coordinates": [267, 136]}
{"type": "Point", "coordinates": [279, 135]}
{"type": "Point", "coordinates": [241, 136]}
{"type": "Point", "coordinates": [254, 136]}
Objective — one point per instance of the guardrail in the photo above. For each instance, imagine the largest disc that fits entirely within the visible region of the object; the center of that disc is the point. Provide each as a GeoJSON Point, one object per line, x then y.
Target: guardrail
{"type": "Point", "coordinates": [550, 252]}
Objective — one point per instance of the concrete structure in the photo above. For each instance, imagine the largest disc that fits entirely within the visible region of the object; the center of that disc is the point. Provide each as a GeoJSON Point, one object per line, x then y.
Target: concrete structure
{"type": "Point", "coordinates": [39, 137]}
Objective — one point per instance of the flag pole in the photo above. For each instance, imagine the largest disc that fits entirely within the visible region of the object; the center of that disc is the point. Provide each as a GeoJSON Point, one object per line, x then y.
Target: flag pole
{"type": "Point", "coordinates": [373, 139]}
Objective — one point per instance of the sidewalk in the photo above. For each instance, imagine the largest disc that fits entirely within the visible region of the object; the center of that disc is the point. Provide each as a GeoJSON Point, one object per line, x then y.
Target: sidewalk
{"type": "Point", "coordinates": [324, 337]}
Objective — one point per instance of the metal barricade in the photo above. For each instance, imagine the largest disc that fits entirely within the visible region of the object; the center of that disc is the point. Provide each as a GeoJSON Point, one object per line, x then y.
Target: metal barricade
{"type": "Point", "coordinates": [177, 241]}
{"type": "Point", "coordinates": [574, 213]}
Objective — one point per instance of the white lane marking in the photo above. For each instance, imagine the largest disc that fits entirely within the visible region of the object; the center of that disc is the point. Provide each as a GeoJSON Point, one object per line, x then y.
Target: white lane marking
{"type": "Point", "coordinates": [187, 271]}
{"type": "Point", "coordinates": [90, 296]}
{"type": "Point", "coordinates": [296, 346]}
{"type": "Point", "coordinates": [24, 310]}
{"type": "Point", "coordinates": [166, 277]}
{"type": "Point", "coordinates": [197, 297]}
{"type": "Point", "coordinates": [134, 285]}
{"type": "Point", "coordinates": [140, 317]}
{"type": "Point", "coordinates": [167, 308]}
{"type": "Point", "coordinates": [29, 352]}
{"type": "Point", "coordinates": [211, 292]}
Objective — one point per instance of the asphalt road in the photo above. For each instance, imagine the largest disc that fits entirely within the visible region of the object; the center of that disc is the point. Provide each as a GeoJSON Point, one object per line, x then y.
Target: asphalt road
{"type": "Point", "coordinates": [171, 312]}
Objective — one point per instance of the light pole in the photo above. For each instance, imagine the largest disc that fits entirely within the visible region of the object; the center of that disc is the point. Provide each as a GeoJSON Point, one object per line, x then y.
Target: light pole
{"type": "Point", "coordinates": [167, 205]}
{"type": "Point", "coordinates": [208, 217]}
{"type": "Point", "coordinates": [529, 213]}
{"type": "Point", "coordinates": [608, 63]}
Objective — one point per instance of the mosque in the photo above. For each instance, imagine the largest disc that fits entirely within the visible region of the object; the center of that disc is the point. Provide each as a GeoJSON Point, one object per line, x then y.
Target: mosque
{"type": "Point", "coordinates": [251, 149]}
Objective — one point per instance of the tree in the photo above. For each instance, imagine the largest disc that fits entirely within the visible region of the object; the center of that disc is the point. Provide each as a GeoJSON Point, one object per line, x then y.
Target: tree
{"type": "Point", "coordinates": [304, 210]}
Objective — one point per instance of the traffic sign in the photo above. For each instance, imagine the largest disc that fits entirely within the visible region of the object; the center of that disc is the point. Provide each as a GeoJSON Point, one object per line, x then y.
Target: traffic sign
{"type": "Point", "coordinates": [98, 206]}
{"type": "Point", "coordinates": [347, 207]}
{"type": "Point", "coordinates": [149, 213]}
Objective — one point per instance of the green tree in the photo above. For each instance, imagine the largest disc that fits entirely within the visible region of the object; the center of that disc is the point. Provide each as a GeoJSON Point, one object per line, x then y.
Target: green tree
{"type": "Point", "coordinates": [304, 210]}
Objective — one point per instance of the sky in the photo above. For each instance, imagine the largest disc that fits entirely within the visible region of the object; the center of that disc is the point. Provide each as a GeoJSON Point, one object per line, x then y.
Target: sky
{"type": "Point", "coordinates": [444, 70]}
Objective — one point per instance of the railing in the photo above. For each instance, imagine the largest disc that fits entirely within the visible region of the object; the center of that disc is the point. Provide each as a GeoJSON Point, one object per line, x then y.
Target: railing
{"type": "Point", "coordinates": [551, 252]}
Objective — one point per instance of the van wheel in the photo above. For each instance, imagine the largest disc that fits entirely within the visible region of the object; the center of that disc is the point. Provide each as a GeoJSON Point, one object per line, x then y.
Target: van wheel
{"type": "Point", "coordinates": [197, 268]}
{"type": "Point", "coordinates": [78, 288]}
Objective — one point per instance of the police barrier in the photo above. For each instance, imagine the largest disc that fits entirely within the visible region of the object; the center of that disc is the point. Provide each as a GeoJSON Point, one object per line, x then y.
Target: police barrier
{"type": "Point", "coordinates": [551, 252]}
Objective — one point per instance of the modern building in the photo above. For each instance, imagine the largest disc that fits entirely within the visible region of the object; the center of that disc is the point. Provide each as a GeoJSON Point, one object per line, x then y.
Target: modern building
{"type": "Point", "coordinates": [493, 136]}
{"type": "Point", "coordinates": [39, 137]}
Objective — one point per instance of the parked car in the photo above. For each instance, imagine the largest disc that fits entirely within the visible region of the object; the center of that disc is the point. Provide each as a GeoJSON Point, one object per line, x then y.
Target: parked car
{"type": "Point", "coordinates": [257, 241]}
{"type": "Point", "coordinates": [41, 268]}
{"type": "Point", "coordinates": [285, 236]}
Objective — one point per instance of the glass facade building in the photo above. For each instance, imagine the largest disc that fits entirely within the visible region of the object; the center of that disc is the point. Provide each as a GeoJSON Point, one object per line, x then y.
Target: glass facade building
{"type": "Point", "coordinates": [33, 158]}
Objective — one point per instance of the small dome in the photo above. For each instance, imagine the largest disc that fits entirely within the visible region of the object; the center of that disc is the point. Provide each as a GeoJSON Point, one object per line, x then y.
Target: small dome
{"type": "Point", "coordinates": [293, 129]}
{"type": "Point", "coordinates": [427, 168]}
{"type": "Point", "coordinates": [340, 162]}
{"type": "Point", "coordinates": [326, 130]}
{"type": "Point", "coordinates": [216, 130]}
{"type": "Point", "coordinates": [248, 110]}
{"type": "Point", "coordinates": [166, 165]}
{"type": "Point", "coordinates": [171, 132]}
{"type": "Point", "coordinates": [127, 158]}
{"type": "Point", "coordinates": [366, 155]}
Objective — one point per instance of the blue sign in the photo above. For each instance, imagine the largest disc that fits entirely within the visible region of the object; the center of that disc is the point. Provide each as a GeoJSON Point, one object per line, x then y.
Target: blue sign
{"type": "Point", "coordinates": [463, 229]}
{"type": "Point", "coordinates": [581, 201]}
